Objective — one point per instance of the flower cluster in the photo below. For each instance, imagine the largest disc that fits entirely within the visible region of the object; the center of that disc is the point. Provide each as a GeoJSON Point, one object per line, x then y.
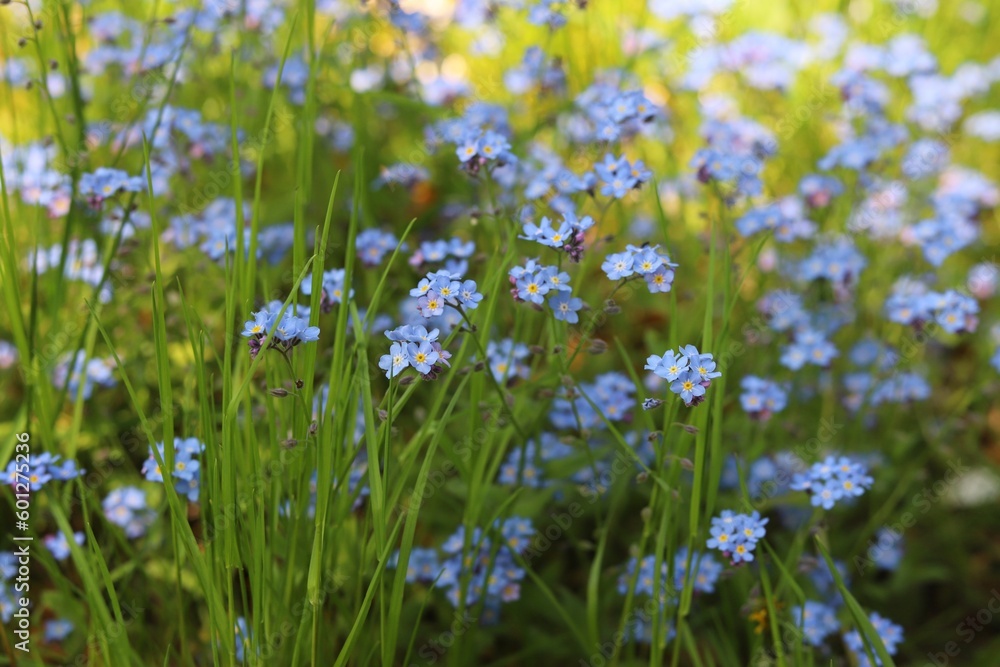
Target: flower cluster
{"type": "Point", "coordinates": [332, 286]}
{"type": "Point", "coordinates": [913, 305]}
{"type": "Point", "coordinates": [833, 479]}
{"type": "Point", "coordinates": [104, 183]}
{"type": "Point", "coordinates": [817, 620]}
{"type": "Point", "coordinates": [480, 137]}
{"type": "Point", "coordinates": [736, 535]}
{"type": "Point", "coordinates": [414, 346]}
{"type": "Point", "coordinates": [454, 253]}
{"type": "Point", "coordinates": [187, 468]}
{"type": "Point", "coordinates": [689, 372]}
{"type": "Point", "coordinates": [567, 236]}
{"type": "Point", "coordinates": [535, 71]}
{"type": "Point", "coordinates": [402, 174]}
{"type": "Point", "coordinates": [372, 245]}
{"type": "Point", "coordinates": [654, 266]}
{"type": "Point", "coordinates": [889, 633]}
{"type": "Point", "coordinates": [58, 545]}
{"type": "Point", "coordinates": [532, 282]}
{"type": "Point", "coordinates": [492, 572]}
{"type": "Point", "coordinates": [836, 260]}
{"type": "Point", "coordinates": [126, 506]}
{"type": "Point", "coordinates": [608, 113]}
{"type": "Point", "coordinates": [81, 375]}
{"type": "Point", "coordinates": [544, 174]}
{"type": "Point", "coordinates": [42, 468]}
{"type": "Point", "coordinates": [506, 360]}
{"type": "Point", "coordinates": [762, 398]}
{"type": "Point", "coordinates": [640, 628]}
{"type": "Point", "coordinates": [819, 190]}
{"type": "Point", "coordinates": [808, 346]}
{"type": "Point", "coordinates": [735, 154]}
{"type": "Point", "coordinates": [586, 406]}
{"type": "Point", "coordinates": [785, 219]}
{"type": "Point", "coordinates": [619, 176]}
{"type": "Point", "coordinates": [291, 330]}
{"type": "Point", "coordinates": [443, 288]}
{"type": "Point", "coordinates": [82, 262]}
{"type": "Point", "coordinates": [523, 467]}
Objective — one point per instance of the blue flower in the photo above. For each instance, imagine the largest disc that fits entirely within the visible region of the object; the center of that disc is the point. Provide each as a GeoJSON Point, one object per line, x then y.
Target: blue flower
{"type": "Point", "coordinates": [395, 362]}
{"type": "Point", "coordinates": [832, 480]}
{"type": "Point", "coordinates": [646, 261]}
{"type": "Point", "coordinates": [430, 305]}
{"type": "Point", "coordinates": [704, 366]}
{"type": "Point", "coordinates": [688, 386]}
{"type": "Point", "coordinates": [468, 295]}
{"type": "Point", "coordinates": [722, 537]}
{"type": "Point", "coordinates": [243, 638]}
{"type": "Point", "coordinates": [260, 325]}
{"type": "Point", "coordinates": [422, 288]}
{"type": "Point", "coordinates": [736, 535]}
{"type": "Point", "coordinates": [886, 549]}
{"type": "Point", "coordinates": [533, 288]}
{"type": "Point", "coordinates": [515, 473]}
{"type": "Point", "coordinates": [506, 359]}
{"type": "Point", "coordinates": [423, 566]}
{"type": "Point", "coordinates": [372, 245]}
{"type": "Point", "coordinates": [565, 307]}
{"type": "Point", "coordinates": [292, 330]}
{"type": "Point", "coordinates": [707, 570]}
{"type": "Point", "coordinates": [58, 545]}
{"type": "Point", "coordinates": [422, 357]}
{"type": "Point", "coordinates": [492, 145]}
{"type": "Point", "coordinates": [57, 630]}
{"type": "Point", "coordinates": [888, 632]}
{"type": "Point", "coordinates": [618, 265]}
{"type": "Point", "coordinates": [669, 367]}
{"type": "Point", "coordinates": [468, 148]}
{"type": "Point", "coordinates": [762, 398]}
{"type": "Point", "coordinates": [126, 507]}
{"type": "Point", "coordinates": [817, 621]}
{"type": "Point", "coordinates": [555, 279]}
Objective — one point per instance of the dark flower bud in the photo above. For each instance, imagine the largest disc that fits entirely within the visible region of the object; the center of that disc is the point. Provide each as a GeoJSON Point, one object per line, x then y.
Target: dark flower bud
{"type": "Point", "coordinates": [278, 392]}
